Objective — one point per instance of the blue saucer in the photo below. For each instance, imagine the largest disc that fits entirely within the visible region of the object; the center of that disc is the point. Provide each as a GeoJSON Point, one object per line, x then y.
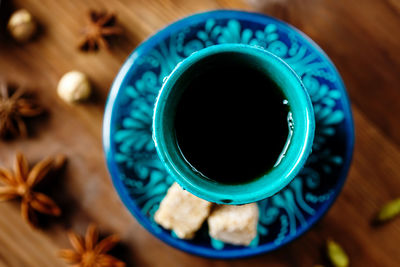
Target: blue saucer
{"type": "Point", "coordinates": [139, 176]}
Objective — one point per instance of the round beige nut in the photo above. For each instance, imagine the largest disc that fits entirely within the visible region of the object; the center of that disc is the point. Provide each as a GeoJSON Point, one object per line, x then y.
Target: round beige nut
{"type": "Point", "coordinates": [74, 86]}
{"type": "Point", "coordinates": [21, 25]}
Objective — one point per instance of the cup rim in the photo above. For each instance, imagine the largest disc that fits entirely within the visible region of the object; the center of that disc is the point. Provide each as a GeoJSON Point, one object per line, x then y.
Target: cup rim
{"type": "Point", "coordinates": [184, 174]}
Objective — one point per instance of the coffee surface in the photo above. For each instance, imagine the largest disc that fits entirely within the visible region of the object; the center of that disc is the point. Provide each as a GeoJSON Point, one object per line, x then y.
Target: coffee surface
{"type": "Point", "coordinates": [231, 123]}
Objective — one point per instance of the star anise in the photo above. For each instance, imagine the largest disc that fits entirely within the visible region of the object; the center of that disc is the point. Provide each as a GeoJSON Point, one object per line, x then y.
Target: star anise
{"type": "Point", "coordinates": [20, 184]}
{"type": "Point", "coordinates": [97, 33]}
{"type": "Point", "coordinates": [88, 252]}
{"type": "Point", "coordinates": [14, 106]}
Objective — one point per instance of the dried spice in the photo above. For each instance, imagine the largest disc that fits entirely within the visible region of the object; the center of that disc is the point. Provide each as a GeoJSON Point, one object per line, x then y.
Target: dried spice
{"type": "Point", "coordinates": [336, 255]}
{"type": "Point", "coordinates": [14, 106]}
{"type": "Point", "coordinates": [388, 211]}
{"type": "Point", "coordinates": [20, 184]}
{"type": "Point", "coordinates": [21, 25]}
{"type": "Point", "coordinates": [88, 252]}
{"type": "Point", "coordinates": [74, 86]}
{"type": "Point", "coordinates": [100, 29]}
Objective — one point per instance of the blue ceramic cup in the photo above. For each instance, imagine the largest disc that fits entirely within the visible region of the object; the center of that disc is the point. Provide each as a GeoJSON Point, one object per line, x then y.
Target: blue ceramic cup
{"type": "Point", "coordinates": [296, 150]}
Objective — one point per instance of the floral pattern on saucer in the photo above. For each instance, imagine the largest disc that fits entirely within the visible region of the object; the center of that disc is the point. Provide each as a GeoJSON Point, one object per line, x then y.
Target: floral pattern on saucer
{"type": "Point", "coordinates": [288, 213]}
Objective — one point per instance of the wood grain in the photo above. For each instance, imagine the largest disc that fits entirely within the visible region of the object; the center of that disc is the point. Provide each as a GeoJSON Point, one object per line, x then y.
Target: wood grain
{"type": "Point", "coordinates": [361, 37]}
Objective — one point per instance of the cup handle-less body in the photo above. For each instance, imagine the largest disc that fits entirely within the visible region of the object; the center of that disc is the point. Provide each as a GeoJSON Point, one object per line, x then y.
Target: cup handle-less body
{"type": "Point", "coordinates": [291, 161]}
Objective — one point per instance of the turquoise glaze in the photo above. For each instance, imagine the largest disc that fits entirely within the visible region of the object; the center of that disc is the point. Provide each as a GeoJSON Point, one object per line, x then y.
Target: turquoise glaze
{"type": "Point", "coordinates": [141, 179]}
{"type": "Point", "coordinates": [299, 144]}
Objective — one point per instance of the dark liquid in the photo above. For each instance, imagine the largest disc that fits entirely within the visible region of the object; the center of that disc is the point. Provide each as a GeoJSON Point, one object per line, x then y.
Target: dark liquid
{"type": "Point", "coordinates": [231, 124]}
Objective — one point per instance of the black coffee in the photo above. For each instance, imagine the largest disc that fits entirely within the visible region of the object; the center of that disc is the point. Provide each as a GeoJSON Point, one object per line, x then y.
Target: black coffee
{"type": "Point", "coordinates": [231, 123]}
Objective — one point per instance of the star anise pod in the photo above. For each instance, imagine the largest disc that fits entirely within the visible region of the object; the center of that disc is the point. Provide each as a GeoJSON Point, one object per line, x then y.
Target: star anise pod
{"type": "Point", "coordinates": [97, 33]}
{"type": "Point", "coordinates": [20, 184]}
{"type": "Point", "coordinates": [88, 252]}
{"type": "Point", "coordinates": [14, 106]}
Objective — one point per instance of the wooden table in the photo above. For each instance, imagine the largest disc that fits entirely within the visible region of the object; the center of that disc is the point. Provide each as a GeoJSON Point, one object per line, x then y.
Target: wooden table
{"type": "Point", "coordinates": [361, 37]}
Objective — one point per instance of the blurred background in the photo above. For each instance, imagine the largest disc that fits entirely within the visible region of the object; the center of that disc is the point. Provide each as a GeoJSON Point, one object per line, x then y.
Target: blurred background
{"type": "Point", "coordinates": [361, 37]}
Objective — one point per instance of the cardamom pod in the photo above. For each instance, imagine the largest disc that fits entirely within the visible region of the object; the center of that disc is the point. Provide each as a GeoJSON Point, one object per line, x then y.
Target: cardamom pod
{"type": "Point", "coordinates": [336, 254]}
{"type": "Point", "coordinates": [388, 211]}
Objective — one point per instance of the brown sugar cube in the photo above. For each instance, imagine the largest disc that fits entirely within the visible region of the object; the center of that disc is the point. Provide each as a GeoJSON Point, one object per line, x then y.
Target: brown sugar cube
{"type": "Point", "coordinates": [235, 225]}
{"type": "Point", "coordinates": [182, 212]}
